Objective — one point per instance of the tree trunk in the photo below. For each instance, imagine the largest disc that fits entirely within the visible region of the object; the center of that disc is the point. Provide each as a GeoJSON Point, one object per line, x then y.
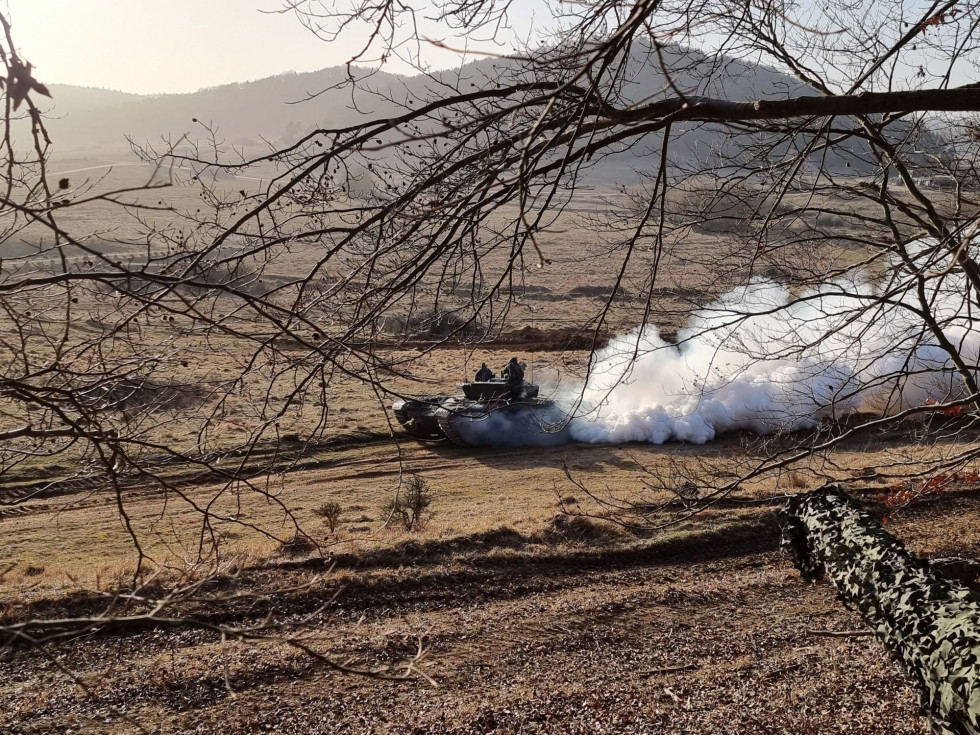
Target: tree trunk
{"type": "Point", "coordinates": [932, 625]}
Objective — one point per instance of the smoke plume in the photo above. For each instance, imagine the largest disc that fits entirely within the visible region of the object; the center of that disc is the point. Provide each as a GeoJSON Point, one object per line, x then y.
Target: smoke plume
{"type": "Point", "coordinates": [517, 426]}
{"type": "Point", "coordinates": [763, 359]}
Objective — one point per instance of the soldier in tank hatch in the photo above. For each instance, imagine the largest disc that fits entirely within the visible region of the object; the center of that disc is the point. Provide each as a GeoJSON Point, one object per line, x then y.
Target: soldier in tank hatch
{"type": "Point", "coordinates": [484, 374]}
{"type": "Point", "coordinates": [513, 372]}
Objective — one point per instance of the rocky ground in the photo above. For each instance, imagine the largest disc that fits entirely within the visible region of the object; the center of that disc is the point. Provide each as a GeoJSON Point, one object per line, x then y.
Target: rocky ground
{"type": "Point", "coordinates": [708, 632]}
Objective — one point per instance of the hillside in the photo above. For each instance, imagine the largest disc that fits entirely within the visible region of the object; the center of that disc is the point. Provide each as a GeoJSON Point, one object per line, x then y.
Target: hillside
{"type": "Point", "coordinates": [281, 108]}
{"type": "Point", "coordinates": [83, 119]}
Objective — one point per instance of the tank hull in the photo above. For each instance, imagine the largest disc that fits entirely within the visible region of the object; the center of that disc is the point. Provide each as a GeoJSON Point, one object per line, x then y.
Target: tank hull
{"type": "Point", "coordinates": [493, 413]}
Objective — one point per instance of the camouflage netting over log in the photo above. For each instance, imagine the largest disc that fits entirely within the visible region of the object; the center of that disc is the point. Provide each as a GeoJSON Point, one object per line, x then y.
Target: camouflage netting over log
{"type": "Point", "coordinates": [932, 625]}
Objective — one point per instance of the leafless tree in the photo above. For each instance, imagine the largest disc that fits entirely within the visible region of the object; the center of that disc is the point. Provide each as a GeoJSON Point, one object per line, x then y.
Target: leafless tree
{"type": "Point", "coordinates": [830, 150]}
{"type": "Point", "coordinates": [848, 161]}
{"type": "Point", "coordinates": [119, 378]}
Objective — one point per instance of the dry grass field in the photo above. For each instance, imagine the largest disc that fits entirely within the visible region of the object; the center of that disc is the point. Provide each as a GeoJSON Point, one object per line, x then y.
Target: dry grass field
{"type": "Point", "coordinates": [528, 621]}
{"type": "Point", "coordinates": [524, 628]}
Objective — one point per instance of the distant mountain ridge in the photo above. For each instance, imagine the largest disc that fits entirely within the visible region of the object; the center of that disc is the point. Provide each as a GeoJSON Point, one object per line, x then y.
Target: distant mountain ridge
{"type": "Point", "coordinates": [281, 108]}
{"type": "Point", "coordinates": [75, 98]}
{"type": "Point", "coordinates": [81, 118]}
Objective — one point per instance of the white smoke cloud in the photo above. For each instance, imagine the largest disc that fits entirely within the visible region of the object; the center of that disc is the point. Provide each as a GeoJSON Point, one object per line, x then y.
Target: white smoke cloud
{"type": "Point", "coordinates": [516, 426]}
{"type": "Point", "coordinates": [763, 359]}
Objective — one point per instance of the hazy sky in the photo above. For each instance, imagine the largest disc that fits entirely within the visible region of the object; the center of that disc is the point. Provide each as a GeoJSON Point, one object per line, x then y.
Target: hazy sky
{"type": "Point", "coordinates": [152, 46]}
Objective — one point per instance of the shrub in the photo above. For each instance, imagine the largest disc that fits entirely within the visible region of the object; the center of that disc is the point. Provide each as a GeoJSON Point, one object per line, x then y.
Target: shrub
{"type": "Point", "coordinates": [795, 480]}
{"type": "Point", "coordinates": [330, 513]}
{"type": "Point", "coordinates": [411, 504]}
{"type": "Point", "coordinates": [298, 545]}
{"type": "Point", "coordinates": [711, 209]}
{"type": "Point", "coordinates": [575, 529]}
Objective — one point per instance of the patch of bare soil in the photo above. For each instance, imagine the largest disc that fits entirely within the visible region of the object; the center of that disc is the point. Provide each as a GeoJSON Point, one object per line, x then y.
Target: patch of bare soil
{"type": "Point", "coordinates": [525, 339]}
{"type": "Point", "coordinates": [533, 339]}
{"type": "Point", "coordinates": [569, 630]}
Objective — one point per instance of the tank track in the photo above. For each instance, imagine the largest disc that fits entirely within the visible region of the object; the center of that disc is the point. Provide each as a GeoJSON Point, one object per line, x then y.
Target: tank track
{"type": "Point", "coordinates": [446, 424]}
{"type": "Point", "coordinates": [419, 418]}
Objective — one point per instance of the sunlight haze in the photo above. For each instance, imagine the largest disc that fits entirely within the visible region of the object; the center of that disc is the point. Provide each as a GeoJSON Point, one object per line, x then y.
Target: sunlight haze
{"type": "Point", "coordinates": [182, 45]}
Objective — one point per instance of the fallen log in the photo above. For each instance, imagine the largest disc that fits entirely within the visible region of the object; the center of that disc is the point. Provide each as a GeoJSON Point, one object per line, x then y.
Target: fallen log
{"type": "Point", "coordinates": [930, 623]}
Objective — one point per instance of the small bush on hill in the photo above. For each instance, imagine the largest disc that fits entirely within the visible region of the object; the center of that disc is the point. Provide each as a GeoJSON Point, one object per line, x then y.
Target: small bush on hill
{"type": "Point", "coordinates": [411, 504]}
{"type": "Point", "coordinates": [330, 513]}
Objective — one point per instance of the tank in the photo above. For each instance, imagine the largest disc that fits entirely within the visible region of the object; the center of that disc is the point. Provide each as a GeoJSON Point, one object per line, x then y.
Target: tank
{"type": "Point", "coordinates": [491, 413]}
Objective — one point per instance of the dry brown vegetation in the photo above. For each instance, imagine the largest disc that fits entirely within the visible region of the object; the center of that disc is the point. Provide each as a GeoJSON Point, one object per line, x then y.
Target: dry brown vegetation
{"type": "Point", "coordinates": [209, 520]}
{"type": "Point", "coordinates": [535, 608]}
{"type": "Point", "coordinates": [525, 628]}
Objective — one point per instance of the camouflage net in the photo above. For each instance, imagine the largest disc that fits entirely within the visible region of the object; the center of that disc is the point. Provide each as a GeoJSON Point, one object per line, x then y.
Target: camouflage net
{"type": "Point", "coordinates": [930, 624]}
